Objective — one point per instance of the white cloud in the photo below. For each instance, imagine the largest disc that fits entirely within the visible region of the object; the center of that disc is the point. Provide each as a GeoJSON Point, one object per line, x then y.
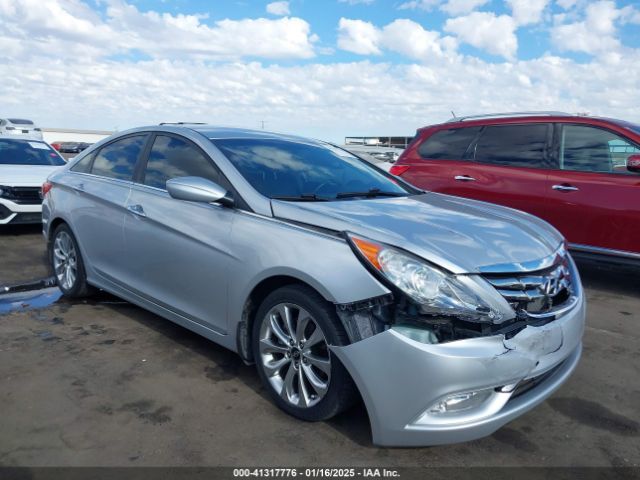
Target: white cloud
{"type": "Point", "coordinates": [629, 14]}
{"type": "Point", "coordinates": [68, 28]}
{"type": "Point", "coordinates": [411, 40]}
{"type": "Point", "coordinates": [328, 100]}
{"type": "Point", "coordinates": [321, 100]}
{"type": "Point", "coordinates": [461, 7]}
{"type": "Point", "coordinates": [426, 5]}
{"type": "Point", "coordinates": [358, 36]}
{"type": "Point", "coordinates": [278, 8]}
{"type": "Point", "coordinates": [568, 4]}
{"type": "Point", "coordinates": [357, 2]}
{"type": "Point", "coordinates": [451, 7]}
{"type": "Point", "coordinates": [402, 36]}
{"type": "Point", "coordinates": [595, 34]}
{"type": "Point", "coordinates": [486, 31]}
{"type": "Point", "coordinates": [526, 12]}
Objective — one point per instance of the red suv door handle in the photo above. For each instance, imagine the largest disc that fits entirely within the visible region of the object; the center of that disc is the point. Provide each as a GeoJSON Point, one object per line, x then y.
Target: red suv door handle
{"type": "Point", "coordinates": [464, 178]}
{"type": "Point", "coordinates": [565, 188]}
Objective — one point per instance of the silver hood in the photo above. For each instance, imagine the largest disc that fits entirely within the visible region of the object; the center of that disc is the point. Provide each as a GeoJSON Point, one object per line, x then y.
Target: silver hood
{"type": "Point", "coordinates": [458, 234]}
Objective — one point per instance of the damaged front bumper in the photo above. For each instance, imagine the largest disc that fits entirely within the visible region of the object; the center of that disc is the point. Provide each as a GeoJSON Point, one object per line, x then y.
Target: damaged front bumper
{"type": "Point", "coordinates": [421, 394]}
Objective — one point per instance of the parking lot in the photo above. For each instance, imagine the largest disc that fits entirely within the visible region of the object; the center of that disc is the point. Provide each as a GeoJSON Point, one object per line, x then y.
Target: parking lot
{"type": "Point", "coordinates": [102, 382]}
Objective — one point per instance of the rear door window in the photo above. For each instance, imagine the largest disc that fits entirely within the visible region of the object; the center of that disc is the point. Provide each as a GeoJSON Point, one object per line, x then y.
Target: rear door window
{"type": "Point", "coordinates": [172, 157]}
{"type": "Point", "coordinates": [449, 144]}
{"type": "Point", "coordinates": [118, 159]}
{"type": "Point", "coordinates": [514, 145]}
{"type": "Point", "coordinates": [590, 149]}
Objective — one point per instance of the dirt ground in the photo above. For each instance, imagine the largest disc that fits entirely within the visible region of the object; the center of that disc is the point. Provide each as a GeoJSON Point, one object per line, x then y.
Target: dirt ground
{"type": "Point", "coordinates": [105, 383]}
{"type": "Point", "coordinates": [23, 254]}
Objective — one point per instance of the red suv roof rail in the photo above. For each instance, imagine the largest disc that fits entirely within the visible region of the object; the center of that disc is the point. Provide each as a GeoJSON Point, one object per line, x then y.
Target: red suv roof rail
{"type": "Point", "coordinates": [510, 114]}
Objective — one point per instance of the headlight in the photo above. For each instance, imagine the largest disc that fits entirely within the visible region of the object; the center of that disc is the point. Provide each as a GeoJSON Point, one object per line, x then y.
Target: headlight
{"type": "Point", "coordinates": [436, 291]}
{"type": "Point", "coordinates": [3, 190]}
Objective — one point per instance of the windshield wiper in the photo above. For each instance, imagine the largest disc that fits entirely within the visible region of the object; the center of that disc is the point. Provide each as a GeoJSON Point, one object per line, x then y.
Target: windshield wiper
{"type": "Point", "coordinates": [305, 197]}
{"type": "Point", "coordinates": [374, 192]}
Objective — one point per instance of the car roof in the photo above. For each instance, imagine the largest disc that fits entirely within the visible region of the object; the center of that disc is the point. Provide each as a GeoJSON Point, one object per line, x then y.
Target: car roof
{"type": "Point", "coordinates": [213, 132]}
{"type": "Point", "coordinates": [533, 118]}
{"type": "Point", "coordinates": [217, 133]}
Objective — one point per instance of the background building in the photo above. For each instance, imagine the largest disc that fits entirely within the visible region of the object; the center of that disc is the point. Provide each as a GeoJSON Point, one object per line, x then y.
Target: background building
{"type": "Point", "coordinates": [51, 135]}
{"type": "Point", "coordinates": [392, 142]}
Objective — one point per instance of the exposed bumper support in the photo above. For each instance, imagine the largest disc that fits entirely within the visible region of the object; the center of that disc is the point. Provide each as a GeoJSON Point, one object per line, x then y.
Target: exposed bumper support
{"type": "Point", "coordinates": [401, 379]}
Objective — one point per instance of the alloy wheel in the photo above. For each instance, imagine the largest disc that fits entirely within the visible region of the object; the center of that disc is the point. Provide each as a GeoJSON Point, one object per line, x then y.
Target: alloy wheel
{"type": "Point", "coordinates": [65, 260]}
{"type": "Point", "coordinates": [294, 355]}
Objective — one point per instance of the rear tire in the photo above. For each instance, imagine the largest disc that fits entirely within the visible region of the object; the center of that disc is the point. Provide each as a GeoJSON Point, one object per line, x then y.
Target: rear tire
{"type": "Point", "coordinates": [292, 330]}
{"type": "Point", "coordinates": [67, 264]}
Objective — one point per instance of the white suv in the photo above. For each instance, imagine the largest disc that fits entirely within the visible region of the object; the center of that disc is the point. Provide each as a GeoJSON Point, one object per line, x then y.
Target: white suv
{"type": "Point", "coordinates": [24, 166]}
{"type": "Point", "coordinates": [19, 126]}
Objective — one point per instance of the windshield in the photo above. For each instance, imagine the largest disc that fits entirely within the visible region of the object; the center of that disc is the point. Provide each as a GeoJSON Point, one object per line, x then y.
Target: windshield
{"type": "Point", "coordinates": [19, 121]}
{"type": "Point", "coordinates": [28, 152]}
{"type": "Point", "coordinates": [289, 170]}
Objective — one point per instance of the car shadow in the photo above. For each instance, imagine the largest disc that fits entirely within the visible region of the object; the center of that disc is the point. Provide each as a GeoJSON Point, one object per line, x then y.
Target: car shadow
{"type": "Point", "coordinates": [607, 277]}
{"type": "Point", "coordinates": [225, 364]}
{"type": "Point", "coordinates": [17, 230]}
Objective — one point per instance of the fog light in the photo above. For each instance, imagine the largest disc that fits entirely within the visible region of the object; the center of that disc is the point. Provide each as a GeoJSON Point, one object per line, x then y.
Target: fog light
{"type": "Point", "coordinates": [460, 402]}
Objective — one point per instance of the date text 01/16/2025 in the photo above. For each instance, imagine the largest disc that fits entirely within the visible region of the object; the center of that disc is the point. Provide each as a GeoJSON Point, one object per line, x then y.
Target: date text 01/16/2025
{"type": "Point", "coordinates": [316, 472]}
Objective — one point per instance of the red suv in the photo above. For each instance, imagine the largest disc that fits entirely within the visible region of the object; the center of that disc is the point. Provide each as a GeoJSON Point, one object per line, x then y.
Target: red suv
{"type": "Point", "coordinates": [581, 174]}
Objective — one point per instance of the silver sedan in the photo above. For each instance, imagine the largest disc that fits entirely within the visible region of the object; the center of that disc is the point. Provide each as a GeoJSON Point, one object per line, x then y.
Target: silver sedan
{"type": "Point", "coordinates": [449, 317]}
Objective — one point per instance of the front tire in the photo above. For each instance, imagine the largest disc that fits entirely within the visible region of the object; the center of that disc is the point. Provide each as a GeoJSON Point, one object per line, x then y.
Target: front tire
{"type": "Point", "coordinates": [67, 265]}
{"type": "Point", "coordinates": [293, 329]}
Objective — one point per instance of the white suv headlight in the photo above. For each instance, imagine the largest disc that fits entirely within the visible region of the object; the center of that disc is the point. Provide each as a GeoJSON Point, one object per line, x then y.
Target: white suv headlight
{"type": "Point", "coordinates": [437, 291]}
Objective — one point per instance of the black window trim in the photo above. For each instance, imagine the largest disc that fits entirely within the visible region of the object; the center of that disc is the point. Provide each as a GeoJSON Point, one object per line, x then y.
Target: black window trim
{"type": "Point", "coordinates": [141, 166]}
{"type": "Point", "coordinates": [557, 135]}
{"type": "Point", "coordinates": [547, 160]}
{"type": "Point", "coordinates": [467, 155]}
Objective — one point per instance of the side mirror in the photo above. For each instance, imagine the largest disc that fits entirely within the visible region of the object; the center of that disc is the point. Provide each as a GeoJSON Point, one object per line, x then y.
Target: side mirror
{"type": "Point", "coordinates": [633, 163]}
{"type": "Point", "coordinates": [198, 189]}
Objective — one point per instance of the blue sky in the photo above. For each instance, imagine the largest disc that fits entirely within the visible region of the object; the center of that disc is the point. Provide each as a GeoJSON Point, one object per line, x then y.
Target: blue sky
{"type": "Point", "coordinates": [323, 16]}
{"type": "Point", "coordinates": [326, 68]}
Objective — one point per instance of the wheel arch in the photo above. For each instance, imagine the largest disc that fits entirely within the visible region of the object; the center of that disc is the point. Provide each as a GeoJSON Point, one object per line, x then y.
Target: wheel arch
{"type": "Point", "coordinates": [55, 223]}
{"type": "Point", "coordinates": [257, 295]}
{"type": "Point", "coordinates": [51, 228]}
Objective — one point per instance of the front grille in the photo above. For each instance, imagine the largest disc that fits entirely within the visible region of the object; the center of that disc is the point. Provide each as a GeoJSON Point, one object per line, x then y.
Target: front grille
{"type": "Point", "coordinates": [536, 294]}
{"type": "Point", "coordinates": [24, 218]}
{"type": "Point", "coordinates": [4, 212]}
{"type": "Point", "coordinates": [23, 195]}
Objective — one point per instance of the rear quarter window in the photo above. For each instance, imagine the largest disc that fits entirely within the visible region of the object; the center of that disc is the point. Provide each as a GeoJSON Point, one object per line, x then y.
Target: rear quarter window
{"type": "Point", "coordinates": [449, 144]}
{"type": "Point", "coordinates": [83, 165]}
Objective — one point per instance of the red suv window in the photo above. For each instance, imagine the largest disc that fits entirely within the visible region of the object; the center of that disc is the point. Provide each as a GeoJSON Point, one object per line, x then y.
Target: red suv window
{"type": "Point", "coordinates": [450, 144]}
{"type": "Point", "coordinates": [590, 149]}
{"type": "Point", "coordinates": [514, 145]}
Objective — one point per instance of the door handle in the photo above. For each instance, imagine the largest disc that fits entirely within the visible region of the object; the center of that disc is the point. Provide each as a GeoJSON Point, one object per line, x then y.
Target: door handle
{"type": "Point", "coordinates": [565, 188]}
{"type": "Point", "coordinates": [137, 210]}
{"type": "Point", "coordinates": [80, 186]}
{"type": "Point", "coordinates": [464, 178]}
